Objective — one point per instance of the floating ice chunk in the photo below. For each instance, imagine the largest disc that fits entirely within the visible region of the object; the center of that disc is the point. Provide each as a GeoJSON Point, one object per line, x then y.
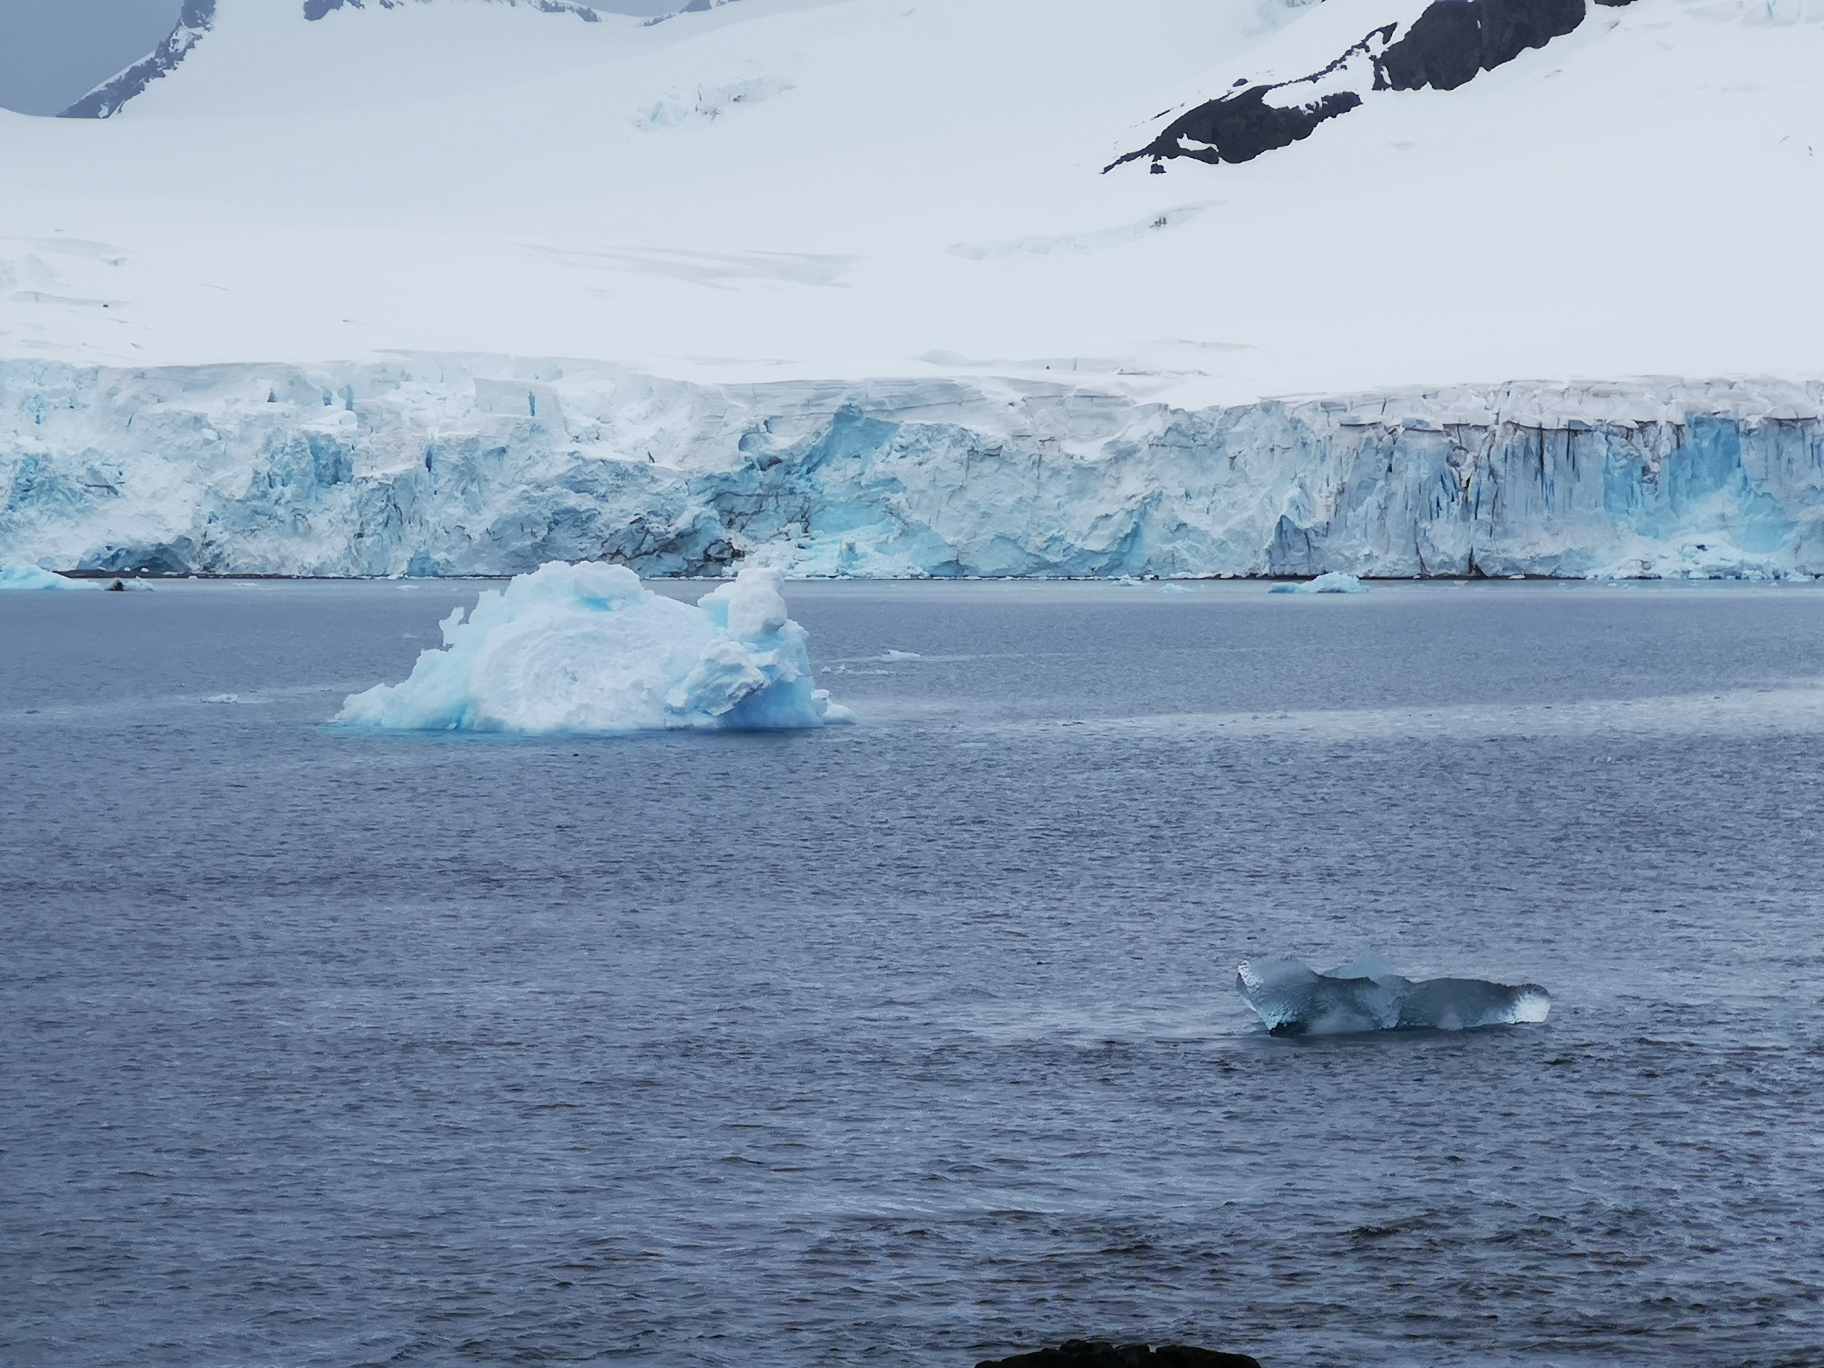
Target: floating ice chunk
{"type": "Point", "coordinates": [31, 577]}
{"type": "Point", "coordinates": [902, 655]}
{"type": "Point", "coordinates": [1365, 966]}
{"type": "Point", "coordinates": [1292, 999]}
{"type": "Point", "coordinates": [1173, 589]}
{"type": "Point", "coordinates": [586, 648]}
{"type": "Point", "coordinates": [1331, 582]}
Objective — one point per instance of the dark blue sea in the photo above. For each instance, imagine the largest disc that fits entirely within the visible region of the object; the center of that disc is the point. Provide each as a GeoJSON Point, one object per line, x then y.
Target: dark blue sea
{"type": "Point", "coordinates": [917, 1042]}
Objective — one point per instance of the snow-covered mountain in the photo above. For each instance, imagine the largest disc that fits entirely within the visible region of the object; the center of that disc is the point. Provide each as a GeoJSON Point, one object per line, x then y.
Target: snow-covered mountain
{"type": "Point", "coordinates": [817, 197]}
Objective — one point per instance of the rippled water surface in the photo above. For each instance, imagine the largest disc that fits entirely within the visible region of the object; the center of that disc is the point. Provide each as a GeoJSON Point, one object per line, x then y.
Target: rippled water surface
{"type": "Point", "coordinates": [917, 1042]}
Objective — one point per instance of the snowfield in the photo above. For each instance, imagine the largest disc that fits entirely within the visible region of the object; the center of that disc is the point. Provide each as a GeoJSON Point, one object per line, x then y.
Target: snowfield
{"type": "Point", "coordinates": [862, 300]}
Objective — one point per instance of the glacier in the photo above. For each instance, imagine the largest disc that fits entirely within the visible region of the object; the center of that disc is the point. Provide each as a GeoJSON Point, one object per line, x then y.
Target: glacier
{"type": "Point", "coordinates": [1367, 995]}
{"type": "Point", "coordinates": [440, 465]}
{"type": "Point", "coordinates": [586, 649]}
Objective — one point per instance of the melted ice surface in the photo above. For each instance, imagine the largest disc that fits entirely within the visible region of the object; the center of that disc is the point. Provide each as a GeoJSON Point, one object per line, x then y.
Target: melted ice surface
{"type": "Point", "coordinates": [587, 649]}
{"type": "Point", "coordinates": [1367, 995]}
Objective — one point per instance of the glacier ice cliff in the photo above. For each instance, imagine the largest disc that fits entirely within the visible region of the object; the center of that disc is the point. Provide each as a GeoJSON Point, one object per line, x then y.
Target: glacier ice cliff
{"type": "Point", "coordinates": [441, 465]}
{"type": "Point", "coordinates": [572, 649]}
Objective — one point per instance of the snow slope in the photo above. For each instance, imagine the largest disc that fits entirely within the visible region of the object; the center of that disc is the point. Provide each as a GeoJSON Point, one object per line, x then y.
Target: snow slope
{"type": "Point", "coordinates": [863, 300]}
{"type": "Point", "coordinates": [838, 189]}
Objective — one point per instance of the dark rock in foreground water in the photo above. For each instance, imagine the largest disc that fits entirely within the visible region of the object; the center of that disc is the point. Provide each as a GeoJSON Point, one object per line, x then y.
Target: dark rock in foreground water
{"type": "Point", "coordinates": [1102, 1354]}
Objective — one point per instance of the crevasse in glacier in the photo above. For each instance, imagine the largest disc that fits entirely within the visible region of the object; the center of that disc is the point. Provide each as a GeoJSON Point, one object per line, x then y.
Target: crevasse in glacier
{"type": "Point", "coordinates": [575, 649]}
{"type": "Point", "coordinates": [442, 465]}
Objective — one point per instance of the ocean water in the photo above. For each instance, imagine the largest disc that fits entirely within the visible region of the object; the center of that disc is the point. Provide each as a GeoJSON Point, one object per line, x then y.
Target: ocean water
{"type": "Point", "coordinates": [917, 1042]}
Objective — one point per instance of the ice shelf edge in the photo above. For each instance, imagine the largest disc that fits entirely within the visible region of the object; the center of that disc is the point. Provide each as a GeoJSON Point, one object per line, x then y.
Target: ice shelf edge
{"type": "Point", "coordinates": [475, 465]}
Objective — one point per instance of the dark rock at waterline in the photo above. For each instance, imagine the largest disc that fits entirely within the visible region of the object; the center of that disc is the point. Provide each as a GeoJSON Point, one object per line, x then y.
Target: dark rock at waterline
{"type": "Point", "coordinates": [1103, 1354]}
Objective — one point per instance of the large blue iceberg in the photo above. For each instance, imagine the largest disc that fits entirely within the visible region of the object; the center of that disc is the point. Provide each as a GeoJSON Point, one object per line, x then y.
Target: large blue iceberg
{"type": "Point", "coordinates": [31, 577]}
{"type": "Point", "coordinates": [588, 649]}
{"type": "Point", "coordinates": [1292, 999]}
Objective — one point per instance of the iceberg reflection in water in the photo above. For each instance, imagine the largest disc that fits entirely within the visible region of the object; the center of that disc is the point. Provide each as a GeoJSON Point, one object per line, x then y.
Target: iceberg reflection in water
{"type": "Point", "coordinates": [1293, 999]}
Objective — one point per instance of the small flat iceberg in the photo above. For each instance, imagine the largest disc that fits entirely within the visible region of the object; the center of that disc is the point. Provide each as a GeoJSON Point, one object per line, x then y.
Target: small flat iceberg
{"type": "Point", "coordinates": [587, 649]}
{"type": "Point", "coordinates": [1330, 582]}
{"type": "Point", "coordinates": [31, 577]}
{"type": "Point", "coordinates": [1293, 999]}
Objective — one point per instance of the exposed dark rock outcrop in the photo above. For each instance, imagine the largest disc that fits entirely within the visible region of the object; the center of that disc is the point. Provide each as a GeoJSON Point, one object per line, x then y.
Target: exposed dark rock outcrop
{"type": "Point", "coordinates": [1448, 45]}
{"type": "Point", "coordinates": [1239, 128]}
{"type": "Point", "coordinates": [1103, 1354]}
{"type": "Point", "coordinates": [195, 20]}
{"type": "Point", "coordinates": [1241, 125]}
{"type": "Point", "coordinates": [1455, 40]}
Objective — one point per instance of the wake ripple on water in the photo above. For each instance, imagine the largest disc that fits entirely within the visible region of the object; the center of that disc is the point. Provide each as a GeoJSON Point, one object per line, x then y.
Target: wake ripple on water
{"type": "Point", "coordinates": [1792, 709]}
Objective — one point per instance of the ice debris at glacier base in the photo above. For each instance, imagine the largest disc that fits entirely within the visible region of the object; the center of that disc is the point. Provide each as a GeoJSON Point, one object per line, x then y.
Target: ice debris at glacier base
{"type": "Point", "coordinates": [1330, 582]}
{"type": "Point", "coordinates": [440, 465]}
{"type": "Point", "coordinates": [587, 649]}
{"type": "Point", "coordinates": [1367, 995]}
{"type": "Point", "coordinates": [33, 578]}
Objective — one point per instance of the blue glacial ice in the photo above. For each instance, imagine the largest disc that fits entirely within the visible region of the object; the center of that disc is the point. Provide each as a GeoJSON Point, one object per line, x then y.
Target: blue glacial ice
{"type": "Point", "coordinates": [1367, 995]}
{"type": "Point", "coordinates": [32, 577]}
{"type": "Point", "coordinates": [1330, 582]}
{"type": "Point", "coordinates": [588, 649]}
{"type": "Point", "coordinates": [442, 465]}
